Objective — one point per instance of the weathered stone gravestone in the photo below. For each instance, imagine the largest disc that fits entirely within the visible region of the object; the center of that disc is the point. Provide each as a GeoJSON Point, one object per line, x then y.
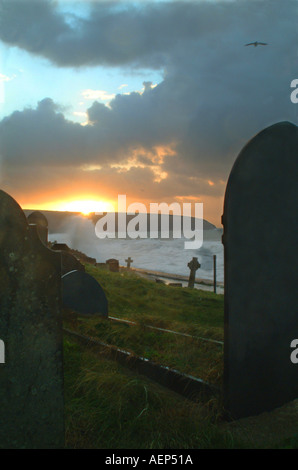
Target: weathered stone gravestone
{"type": "Point", "coordinates": [41, 222]}
{"type": "Point", "coordinates": [31, 379]}
{"type": "Point", "coordinates": [193, 265]}
{"type": "Point", "coordinates": [83, 294]}
{"type": "Point", "coordinates": [260, 245]}
{"type": "Point", "coordinates": [113, 265]}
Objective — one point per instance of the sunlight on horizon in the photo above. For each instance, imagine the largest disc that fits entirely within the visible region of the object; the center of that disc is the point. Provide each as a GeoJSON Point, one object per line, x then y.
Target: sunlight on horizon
{"type": "Point", "coordinates": [86, 206]}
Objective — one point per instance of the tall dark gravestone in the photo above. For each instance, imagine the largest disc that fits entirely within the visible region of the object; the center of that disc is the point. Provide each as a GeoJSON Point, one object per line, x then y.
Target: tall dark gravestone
{"type": "Point", "coordinates": [31, 378]}
{"type": "Point", "coordinates": [260, 252]}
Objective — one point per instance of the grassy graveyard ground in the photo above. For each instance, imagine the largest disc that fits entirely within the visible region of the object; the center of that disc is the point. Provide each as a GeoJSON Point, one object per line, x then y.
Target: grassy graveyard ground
{"type": "Point", "coordinates": [198, 313]}
{"type": "Point", "coordinates": [109, 407]}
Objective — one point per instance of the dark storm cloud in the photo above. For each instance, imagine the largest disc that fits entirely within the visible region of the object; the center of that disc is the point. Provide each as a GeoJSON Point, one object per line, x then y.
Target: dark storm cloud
{"type": "Point", "coordinates": [215, 95]}
{"type": "Point", "coordinates": [35, 136]}
{"type": "Point", "coordinates": [147, 34]}
{"type": "Point", "coordinates": [43, 135]}
{"type": "Point", "coordinates": [114, 33]}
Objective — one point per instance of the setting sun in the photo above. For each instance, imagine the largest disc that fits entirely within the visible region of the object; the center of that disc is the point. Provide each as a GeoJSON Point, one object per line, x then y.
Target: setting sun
{"type": "Point", "coordinates": [85, 206]}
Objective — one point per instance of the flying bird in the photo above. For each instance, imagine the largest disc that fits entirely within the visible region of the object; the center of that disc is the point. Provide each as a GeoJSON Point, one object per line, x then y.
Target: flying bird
{"type": "Point", "coordinates": [257, 44]}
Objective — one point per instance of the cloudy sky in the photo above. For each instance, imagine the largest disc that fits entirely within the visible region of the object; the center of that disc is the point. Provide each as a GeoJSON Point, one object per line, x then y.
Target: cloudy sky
{"type": "Point", "coordinates": [145, 98]}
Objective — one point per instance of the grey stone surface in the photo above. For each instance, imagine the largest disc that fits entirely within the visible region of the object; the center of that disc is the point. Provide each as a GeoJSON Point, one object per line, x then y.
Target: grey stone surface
{"type": "Point", "coordinates": [261, 253]}
{"type": "Point", "coordinates": [83, 294]}
{"type": "Point", "coordinates": [31, 379]}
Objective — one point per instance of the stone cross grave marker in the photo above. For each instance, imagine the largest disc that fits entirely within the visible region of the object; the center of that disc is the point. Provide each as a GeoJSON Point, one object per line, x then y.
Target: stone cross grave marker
{"type": "Point", "coordinates": [261, 251]}
{"type": "Point", "coordinates": [193, 265]}
{"type": "Point", "coordinates": [31, 379]}
{"type": "Point", "coordinates": [128, 261]}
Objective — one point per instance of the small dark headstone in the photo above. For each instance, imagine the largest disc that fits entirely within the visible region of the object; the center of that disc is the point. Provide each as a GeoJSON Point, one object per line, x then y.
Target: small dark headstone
{"type": "Point", "coordinates": [37, 218]}
{"type": "Point", "coordinates": [83, 294]}
{"type": "Point", "coordinates": [113, 265]}
{"type": "Point", "coordinates": [175, 284]}
{"type": "Point", "coordinates": [41, 222]}
{"type": "Point", "coordinates": [160, 281]}
{"type": "Point", "coordinates": [261, 252]}
{"type": "Point", "coordinates": [31, 379]}
{"type": "Point", "coordinates": [193, 266]}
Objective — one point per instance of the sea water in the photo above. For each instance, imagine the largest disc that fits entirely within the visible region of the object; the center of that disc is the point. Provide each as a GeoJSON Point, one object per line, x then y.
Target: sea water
{"type": "Point", "coordinates": [166, 255]}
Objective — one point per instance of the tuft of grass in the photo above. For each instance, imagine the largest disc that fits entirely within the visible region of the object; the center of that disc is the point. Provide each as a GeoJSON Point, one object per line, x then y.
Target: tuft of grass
{"type": "Point", "coordinates": [188, 355]}
{"type": "Point", "coordinates": [108, 407]}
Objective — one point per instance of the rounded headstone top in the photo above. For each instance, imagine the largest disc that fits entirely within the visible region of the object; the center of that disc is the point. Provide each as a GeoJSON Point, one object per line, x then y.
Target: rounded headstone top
{"type": "Point", "coordinates": [37, 218]}
{"type": "Point", "coordinates": [269, 159]}
{"type": "Point", "coordinates": [270, 143]}
{"type": "Point", "coordinates": [112, 261]}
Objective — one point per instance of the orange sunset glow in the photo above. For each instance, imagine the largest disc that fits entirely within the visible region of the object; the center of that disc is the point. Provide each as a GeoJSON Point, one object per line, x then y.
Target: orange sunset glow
{"type": "Point", "coordinates": [109, 203]}
{"type": "Point", "coordinates": [85, 206]}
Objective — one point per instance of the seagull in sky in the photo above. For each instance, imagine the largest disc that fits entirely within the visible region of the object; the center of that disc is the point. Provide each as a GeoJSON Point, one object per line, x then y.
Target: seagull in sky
{"type": "Point", "coordinates": [257, 44]}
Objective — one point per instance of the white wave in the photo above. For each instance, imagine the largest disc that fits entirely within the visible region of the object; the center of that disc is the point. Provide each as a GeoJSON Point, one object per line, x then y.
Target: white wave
{"type": "Point", "coordinates": [167, 255]}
